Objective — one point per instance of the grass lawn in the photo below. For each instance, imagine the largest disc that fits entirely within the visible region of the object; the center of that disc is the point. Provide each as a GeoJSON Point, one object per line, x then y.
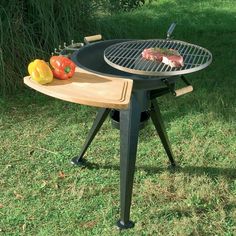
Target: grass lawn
{"type": "Point", "coordinates": [41, 193]}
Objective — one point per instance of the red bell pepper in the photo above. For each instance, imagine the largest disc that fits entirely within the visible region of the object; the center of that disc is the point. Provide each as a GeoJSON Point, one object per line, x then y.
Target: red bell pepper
{"type": "Point", "coordinates": [62, 67]}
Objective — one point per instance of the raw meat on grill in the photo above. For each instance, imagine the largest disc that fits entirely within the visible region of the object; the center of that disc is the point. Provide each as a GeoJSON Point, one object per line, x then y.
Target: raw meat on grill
{"type": "Point", "coordinates": [152, 54]}
{"type": "Point", "coordinates": [173, 61]}
{"type": "Point", "coordinates": [167, 56]}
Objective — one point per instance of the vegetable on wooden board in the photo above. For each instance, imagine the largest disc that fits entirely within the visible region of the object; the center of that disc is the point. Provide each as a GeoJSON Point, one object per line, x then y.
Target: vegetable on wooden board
{"type": "Point", "coordinates": [40, 71]}
{"type": "Point", "coordinates": [62, 67]}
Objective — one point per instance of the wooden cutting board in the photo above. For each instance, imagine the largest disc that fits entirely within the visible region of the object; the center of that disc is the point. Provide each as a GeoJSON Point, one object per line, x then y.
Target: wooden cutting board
{"type": "Point", "coordinates": [88, 89]}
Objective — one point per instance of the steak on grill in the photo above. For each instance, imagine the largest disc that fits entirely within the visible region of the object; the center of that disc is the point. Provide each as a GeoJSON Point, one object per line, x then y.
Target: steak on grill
{"type": "Point", "coordinates": [167, 56]}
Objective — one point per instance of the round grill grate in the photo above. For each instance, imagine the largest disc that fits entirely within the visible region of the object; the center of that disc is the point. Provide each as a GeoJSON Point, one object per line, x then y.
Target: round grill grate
{"type": "Point", "coordinates": [126, 56]}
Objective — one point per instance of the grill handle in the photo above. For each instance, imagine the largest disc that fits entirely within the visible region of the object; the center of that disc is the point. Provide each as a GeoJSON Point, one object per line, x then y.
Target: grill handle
{"type": "Point", "coordinates": [183, 91]}
{"type": "Point", "coordinates": [170, 30]}
{"type": "Point", "coordinates": [179, 92]}
{"type": "Point", "coordinates": [89, 39]}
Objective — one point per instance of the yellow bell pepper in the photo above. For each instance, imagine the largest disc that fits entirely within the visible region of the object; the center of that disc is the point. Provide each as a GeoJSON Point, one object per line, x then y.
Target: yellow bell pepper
{"type": "Point", "coordinates": [40, 71]}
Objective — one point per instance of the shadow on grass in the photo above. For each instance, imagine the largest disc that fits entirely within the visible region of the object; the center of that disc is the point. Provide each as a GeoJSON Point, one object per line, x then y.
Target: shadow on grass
{"type": "Point", "coordinates": [32, 105]}
{"type": "Point", "coordinates": [212, 172]}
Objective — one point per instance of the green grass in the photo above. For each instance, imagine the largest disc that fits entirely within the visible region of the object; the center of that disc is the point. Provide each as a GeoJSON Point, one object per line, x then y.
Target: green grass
{"type": "Point", "coordinates": [39, 135]}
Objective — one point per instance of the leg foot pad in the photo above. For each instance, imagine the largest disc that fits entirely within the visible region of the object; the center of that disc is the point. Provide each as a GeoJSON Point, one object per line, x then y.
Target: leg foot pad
{"type": "Point", "coordinates": [173, 167]}
{"type": "Point", "coordinates": [121, 225]}
{"type": "Point", "coordinates": [78, 162]}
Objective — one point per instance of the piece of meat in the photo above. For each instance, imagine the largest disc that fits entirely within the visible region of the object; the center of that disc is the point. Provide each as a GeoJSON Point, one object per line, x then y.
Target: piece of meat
{"type": "Point", "coordinates": [152, 54]}
{"type": "Point", "coordinates": [167, 56]}
{"type": "Point", "coordinates": [173, 61]}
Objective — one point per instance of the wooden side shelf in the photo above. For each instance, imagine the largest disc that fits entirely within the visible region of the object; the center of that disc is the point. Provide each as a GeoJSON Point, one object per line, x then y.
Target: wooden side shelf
{"type": "Point", "coordinates": [88, 89]}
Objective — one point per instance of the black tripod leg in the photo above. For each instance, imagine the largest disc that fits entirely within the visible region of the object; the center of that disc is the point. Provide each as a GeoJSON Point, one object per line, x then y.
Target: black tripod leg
{"type": "Point", "coordinates": [100, 118]}
{"type": "Point", "coordinates": [160, 128]}
{"type": "Point", "coordinates": [129, 128]}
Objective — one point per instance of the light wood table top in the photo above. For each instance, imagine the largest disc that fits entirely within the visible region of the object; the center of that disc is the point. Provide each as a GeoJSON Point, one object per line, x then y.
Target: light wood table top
{"type": "Point", "coordinates": [88, 89]}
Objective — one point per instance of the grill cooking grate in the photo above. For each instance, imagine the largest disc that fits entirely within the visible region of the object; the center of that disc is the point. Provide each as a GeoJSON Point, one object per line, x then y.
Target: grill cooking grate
{"type": "Point", "coordinates": [127, 57]}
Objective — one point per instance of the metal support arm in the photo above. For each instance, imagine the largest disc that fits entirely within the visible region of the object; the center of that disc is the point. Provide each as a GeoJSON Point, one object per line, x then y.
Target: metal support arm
{"type": "Point", "coordinates": [160, 128]}
{"type": "Point", "coordinates": [100, 118]}
{"type": "Point", "coordinates": [129, 128]}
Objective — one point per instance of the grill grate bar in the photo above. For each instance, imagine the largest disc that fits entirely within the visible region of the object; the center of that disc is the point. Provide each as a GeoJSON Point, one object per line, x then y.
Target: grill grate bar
{"type": "Point", "coordinates": [119, 54]}
{"type": "Point", "coordinates": [201, 58]}
{"type": "Point", "coordinates": [112, 50]}
{"type": "Point", "coordinates": [133, 55]}
{"type": "Point", "coordinates": [193, 58]}
{"type": "Point", "coordinates": [131, 63]}
{"type": "Point", "coordinates": [190, 52]}
{"type": "Point", "coordinates": [196, 58]}
{"type": "Point", "coordinates": [124, 55]}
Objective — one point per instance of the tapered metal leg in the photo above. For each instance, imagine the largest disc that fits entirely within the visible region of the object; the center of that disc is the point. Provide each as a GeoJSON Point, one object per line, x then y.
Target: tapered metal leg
{"type": "Point", "coordinates": [129, 128]}
{"type": "Point", "coordinates": [100, 118]}
{"type": "Point", "coordinates": [159, 125]}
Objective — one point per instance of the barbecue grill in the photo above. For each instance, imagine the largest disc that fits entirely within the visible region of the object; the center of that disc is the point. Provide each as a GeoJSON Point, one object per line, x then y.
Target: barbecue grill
{"type": "Point", "coordinates": [121, 58]}
{"type": "Point", "coordinates": [150, 80]}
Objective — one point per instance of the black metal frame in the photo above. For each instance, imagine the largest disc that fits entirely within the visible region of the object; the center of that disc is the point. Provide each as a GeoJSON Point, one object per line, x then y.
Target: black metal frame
{"type": "Point", "coordinates": [129, 129]}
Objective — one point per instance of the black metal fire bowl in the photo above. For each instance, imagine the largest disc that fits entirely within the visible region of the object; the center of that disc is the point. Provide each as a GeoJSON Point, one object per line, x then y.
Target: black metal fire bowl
{"type": "Point", "coordinates": [91, 58]}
